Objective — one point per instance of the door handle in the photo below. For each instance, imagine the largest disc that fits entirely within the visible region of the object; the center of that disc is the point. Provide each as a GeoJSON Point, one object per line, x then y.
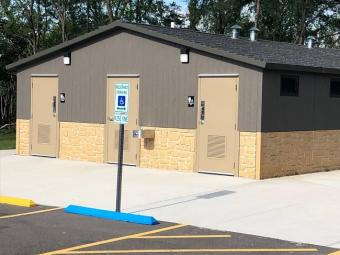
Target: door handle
{"type": "Point", "coordinates": [202, 112]}
{"type": "Point", "coordinates": [110, 118]}
{"type": "Point", "coordinates": [54, 105]}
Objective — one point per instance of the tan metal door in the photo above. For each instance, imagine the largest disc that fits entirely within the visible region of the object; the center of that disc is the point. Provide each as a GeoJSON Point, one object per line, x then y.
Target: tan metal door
{"type": "Point", "coordinates": [44, 116]}
{"type": "Point", "coordinates": [131, 145]}
{"type": "Point", "coordinates": [217, 116]}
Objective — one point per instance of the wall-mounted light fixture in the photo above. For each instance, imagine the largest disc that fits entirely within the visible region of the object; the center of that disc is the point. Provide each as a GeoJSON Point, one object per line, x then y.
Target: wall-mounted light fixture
{"type": "Point", "coordinates": [67, 58]}
{"type": "Point", "coordinates": [184, 55]}
{"type": "Point", "coordinates": [191, 101]}
{"type": "Point", "coordinates": [62, 97]}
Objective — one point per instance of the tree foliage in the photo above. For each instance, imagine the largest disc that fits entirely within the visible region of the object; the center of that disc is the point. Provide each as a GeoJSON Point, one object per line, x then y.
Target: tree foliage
{"type": "Point", "coordinates": [281, 20]}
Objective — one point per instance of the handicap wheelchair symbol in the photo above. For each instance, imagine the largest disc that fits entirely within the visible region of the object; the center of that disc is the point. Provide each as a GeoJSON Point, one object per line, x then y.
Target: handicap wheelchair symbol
{"type": "Point", "coordinates": [121, 100]}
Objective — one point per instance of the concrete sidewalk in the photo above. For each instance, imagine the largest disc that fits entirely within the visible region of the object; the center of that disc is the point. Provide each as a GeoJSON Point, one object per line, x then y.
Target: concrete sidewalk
{"type": "Point", "coordinates": [303, 208]}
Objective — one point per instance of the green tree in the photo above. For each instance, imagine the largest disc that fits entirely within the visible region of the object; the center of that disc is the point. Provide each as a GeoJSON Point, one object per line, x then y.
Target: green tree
{"type": "Point", "coordinates": [215, 15]}
{"type": "Point", "coordinates": [294, 20]}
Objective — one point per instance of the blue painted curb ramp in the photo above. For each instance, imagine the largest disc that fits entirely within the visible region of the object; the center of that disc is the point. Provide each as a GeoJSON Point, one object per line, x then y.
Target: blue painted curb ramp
{"type": "Point", "coordinates": [104, 214]}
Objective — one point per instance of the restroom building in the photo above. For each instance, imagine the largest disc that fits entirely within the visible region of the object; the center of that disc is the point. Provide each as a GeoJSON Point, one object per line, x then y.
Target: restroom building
{"type": "Point", "coordinates": [205, 102]}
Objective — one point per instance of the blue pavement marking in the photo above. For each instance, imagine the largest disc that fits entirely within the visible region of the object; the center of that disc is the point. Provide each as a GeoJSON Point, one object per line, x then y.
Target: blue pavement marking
{"type": "Point", "coordinates": [111, 215]}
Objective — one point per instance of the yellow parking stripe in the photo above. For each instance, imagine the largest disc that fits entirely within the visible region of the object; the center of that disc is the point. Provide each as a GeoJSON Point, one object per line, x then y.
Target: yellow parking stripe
{"type": "Point", "coordinates": [335, 253]}
{"type": "Point", "coordinates": [63, 251]}
{"type": "Point", "coordinates": [29, 213]}
{"type": "Point", "coordinates": [183, 236]}
{"type": "Point", "coordinates": [191, 251]}
{"type": "Point", "coordinates": [16, 201]}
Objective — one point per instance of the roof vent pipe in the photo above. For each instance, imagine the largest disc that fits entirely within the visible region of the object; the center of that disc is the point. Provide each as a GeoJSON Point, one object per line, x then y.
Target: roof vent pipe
{"type": "Point", "coordinates": [235, 31]}
{"type": "Point", "coordinates": [253, 33]}
{"type": "Point", "coordinates": [310, 41]}
{"type": "Point", "coordinates": [172, 24]}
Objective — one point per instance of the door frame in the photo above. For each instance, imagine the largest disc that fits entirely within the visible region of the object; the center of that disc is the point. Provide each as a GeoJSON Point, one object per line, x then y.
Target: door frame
{"type": "Point", "coordinates": [237, 147]}
{"type": "Point", "coordinates": [31, 114]}
{"type": "Point", "coordinates": [106, 133]}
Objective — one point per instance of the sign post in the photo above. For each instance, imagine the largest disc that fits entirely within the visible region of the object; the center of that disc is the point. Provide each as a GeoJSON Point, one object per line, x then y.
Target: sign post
{"type": "Point", "coordinates": [120, 167]}
{"type": "Point", "coordinates": [121, 117]}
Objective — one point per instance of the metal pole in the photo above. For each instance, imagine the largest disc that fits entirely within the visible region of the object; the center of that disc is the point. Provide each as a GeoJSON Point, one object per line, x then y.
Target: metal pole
{"type": "Point", "coordinates": [120, 167]}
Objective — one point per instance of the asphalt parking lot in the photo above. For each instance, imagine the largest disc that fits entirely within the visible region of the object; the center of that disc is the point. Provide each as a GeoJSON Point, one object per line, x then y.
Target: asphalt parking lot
{"type": "Point", "coordinates": [49, 230]}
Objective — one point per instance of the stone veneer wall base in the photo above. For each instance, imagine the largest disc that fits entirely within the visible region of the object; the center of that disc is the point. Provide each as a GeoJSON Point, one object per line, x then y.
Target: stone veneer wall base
{"type": "Point", "coordinates": [275, 154]}
{"type": "Point", "coordinates": [248, 153]}
{"type": "Point", "coordinates": [299, 152]}
{"type": "Point", "coordinates": [82, 141]}
{"type": "Point", "coordinates": [22, 137]}
{"type": "Point", "coordinates": [170, 149]}
{"type": "Point", "coordinates": [262, 155]}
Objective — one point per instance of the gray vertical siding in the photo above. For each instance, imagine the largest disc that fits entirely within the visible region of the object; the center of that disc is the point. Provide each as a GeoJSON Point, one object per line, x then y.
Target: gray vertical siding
{"type": "Point", "coordinates": [313, 109]}
{"type": "Point", "coordinates": [23, 96]}
{"type": "Point", "coordinates": [165, 83]}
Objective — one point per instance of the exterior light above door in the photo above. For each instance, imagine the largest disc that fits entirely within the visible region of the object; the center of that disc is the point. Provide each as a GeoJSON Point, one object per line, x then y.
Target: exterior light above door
{"type": "Point", "coordinates": [67, 58]}
{"type": "Point", "coordinates": [184, 55]}
{"type": "Point", "coordinates": [62, 97]}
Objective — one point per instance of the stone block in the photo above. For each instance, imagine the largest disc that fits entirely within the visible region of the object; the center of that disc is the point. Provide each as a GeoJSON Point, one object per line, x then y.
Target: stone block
{"type": "Point", "coordinates": [23, 137]}
{"type": "Point", "coordinates": [247, 154]}
{"type": "Point", "coordinates": [289, 153]}
{"type": "Point", "coordinates": [81, 141]}
{"type": "Point", "coordinates": [172, 149]}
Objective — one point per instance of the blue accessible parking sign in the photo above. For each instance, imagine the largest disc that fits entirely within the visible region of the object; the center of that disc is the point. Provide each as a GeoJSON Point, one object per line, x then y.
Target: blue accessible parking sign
{"type": "Point", "coordinates": [121, 103]}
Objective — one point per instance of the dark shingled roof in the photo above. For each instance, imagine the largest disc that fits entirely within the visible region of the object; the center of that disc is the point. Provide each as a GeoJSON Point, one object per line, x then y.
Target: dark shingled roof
{"type": "Point", "coordinates": [267, 51]}
{"type": "Point", "coordinates": [261, 53]}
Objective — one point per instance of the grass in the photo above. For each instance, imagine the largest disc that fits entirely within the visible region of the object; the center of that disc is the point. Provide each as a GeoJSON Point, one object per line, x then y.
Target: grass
{"type": "Point", "coordinates": [7, 139]}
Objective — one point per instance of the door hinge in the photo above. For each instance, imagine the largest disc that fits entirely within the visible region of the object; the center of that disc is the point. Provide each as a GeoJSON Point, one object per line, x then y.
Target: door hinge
{"type": "Point", "coordinates": [236, 87]}
{"type": "Point", "coordinates": [136, 156]}
{"type": "Point", "coordinates": [235, 126]}
{"type": "Point", "coordinates": [137, 86]}
{"type": "Point", "coordinates": [234, 165]}
{"type": "Point", "coordinates": [136, 121]}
